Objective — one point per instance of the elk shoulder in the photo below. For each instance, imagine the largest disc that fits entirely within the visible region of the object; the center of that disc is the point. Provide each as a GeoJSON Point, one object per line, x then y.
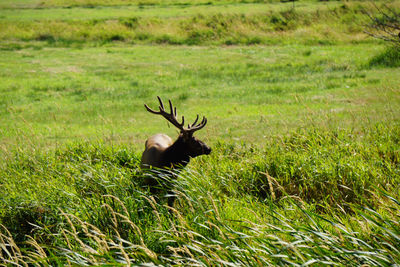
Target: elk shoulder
{"type": "Point", "coordinates": [154, 148]}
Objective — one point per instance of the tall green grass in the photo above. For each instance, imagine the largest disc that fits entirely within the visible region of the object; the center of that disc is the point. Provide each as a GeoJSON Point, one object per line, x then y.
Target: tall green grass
{"type": "Point", "coordinates": [212, 240]}
{"type": "Point", "coordinates": [310, 197]}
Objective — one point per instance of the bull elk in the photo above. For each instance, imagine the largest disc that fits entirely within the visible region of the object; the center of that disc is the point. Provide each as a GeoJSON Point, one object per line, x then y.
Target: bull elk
{"type": "Point", "coordinates": [162, 152]}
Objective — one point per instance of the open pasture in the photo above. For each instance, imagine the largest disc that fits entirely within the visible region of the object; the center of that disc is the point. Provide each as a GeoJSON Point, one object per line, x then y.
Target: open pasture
{"type": "Point", "coordinates": [303, 119]}
{"type": "Point", "coordinates": [54, 95]}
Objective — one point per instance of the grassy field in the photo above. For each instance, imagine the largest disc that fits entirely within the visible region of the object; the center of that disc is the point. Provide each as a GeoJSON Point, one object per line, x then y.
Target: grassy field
{"type": "Point", "coordinates": [228, 23]}
{"type": "Point", "coordinates": [303, 118]}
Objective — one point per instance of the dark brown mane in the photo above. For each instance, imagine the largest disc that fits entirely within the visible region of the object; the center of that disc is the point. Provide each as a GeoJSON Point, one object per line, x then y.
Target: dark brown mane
{"type": "Point", "coordinates": [176, 155]}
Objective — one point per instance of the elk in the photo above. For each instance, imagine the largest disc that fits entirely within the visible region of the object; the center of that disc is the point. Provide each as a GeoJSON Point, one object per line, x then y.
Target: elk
{"type": "Point", "coordinates": [161, 152]}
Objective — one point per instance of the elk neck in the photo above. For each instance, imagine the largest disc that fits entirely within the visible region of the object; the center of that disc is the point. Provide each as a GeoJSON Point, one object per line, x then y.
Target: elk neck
{"type": "Point", "coordinates": [177, 154]}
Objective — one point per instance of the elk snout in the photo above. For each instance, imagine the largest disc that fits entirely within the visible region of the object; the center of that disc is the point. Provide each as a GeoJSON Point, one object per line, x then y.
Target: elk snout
{"type": "Point", "coordinates": [207, 150]}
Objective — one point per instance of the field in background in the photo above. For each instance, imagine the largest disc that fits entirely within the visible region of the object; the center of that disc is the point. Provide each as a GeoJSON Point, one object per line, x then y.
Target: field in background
{"type": "Point", "coordinates": [210, 23]}
{"type": "Point", "coordinates": [303, 118]}
{"type": "Point", "coordinates": [55, 95]}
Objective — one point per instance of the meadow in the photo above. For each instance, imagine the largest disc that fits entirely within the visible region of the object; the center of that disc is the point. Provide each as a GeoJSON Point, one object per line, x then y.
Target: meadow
{"type": "Point", "coordinates": [303, 119]}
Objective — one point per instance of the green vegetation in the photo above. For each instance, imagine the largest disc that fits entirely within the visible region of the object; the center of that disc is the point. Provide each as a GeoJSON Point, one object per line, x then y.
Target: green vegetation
{"type": "Point", "coordinates": [303, 110]}
{"type": "Point", "coordinates": [390, 57]}
{"type": "Point", "coordinates": [92, 204]}
{"type": "Point", "coordinates": [228, 23]}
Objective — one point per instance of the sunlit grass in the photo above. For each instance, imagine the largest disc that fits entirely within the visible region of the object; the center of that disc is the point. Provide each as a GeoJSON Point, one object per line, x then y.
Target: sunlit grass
{"type": "Point", "coordinates": [57, 95]}
{"type": "Point", "coordinates": [245, 23]}
{"type": "Point", "coordinates": [303, 119]}
{"type": "Point", "coordinates": [253, 207]}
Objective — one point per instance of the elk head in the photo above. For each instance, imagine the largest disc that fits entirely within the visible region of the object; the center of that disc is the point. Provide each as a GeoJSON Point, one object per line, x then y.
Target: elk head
{"type": "Point", "coordinates": [161, 152]}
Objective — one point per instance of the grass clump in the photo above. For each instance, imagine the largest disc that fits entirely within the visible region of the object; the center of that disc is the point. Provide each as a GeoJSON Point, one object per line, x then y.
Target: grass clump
{"type": "Point", "coordinates": [390, 57]}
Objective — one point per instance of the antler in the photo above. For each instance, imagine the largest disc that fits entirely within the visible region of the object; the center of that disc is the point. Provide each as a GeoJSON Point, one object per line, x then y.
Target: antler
{"type": "Point", "coordinates": [195, 127]}
{"type": "Point", "coordinates": [171, 117]}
